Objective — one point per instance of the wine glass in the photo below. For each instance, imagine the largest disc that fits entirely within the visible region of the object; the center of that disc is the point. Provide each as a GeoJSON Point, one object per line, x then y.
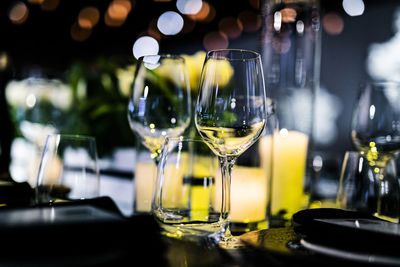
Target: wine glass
{"type": "Point", "coordinates": [376, 134]}
{"type": "Point", "coordinates": [68, 169]}
{"type": "Point", "coordinates": [159, 104]}
{"type": "Point", "coordinates": [231, 112]}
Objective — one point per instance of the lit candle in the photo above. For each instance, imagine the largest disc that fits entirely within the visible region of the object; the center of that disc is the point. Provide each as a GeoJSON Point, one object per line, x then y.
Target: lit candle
{"type": "Point", "coordinates": [145, 174]}
{"type": "Point", "coordinates": [289, 161]}
{"type": "Point", "coordinates": [248, 194]}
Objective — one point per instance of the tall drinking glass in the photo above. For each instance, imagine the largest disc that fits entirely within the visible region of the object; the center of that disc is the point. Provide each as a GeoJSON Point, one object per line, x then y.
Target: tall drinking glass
{"type": "Point", "coordinates": [231, 112]}
{"type": "Point", "coordinates": [376, 134]}
{"type": "Point", "coordinates": [159, 105]}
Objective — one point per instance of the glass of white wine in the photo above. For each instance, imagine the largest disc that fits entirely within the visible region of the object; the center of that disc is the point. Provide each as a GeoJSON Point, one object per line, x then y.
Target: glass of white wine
{"type": "Point", "coordinates": [376, 134]}
{"type": "Point", "coordinates": [231, 112]}
{"type": "Point", "coordinates": [159, 104]}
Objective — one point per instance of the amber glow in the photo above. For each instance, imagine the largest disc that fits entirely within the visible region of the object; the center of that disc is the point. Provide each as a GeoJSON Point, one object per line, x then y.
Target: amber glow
{"type": "Point", "coordinates": [288, 15]}
{"type": "Point", "coordinates": [206, 14]}
{"type": "Point", "coordinates": [117, 12]}
{"type": "Point", "coordinates": [79, 34]}
{"type": "Point", "coordinates": [49, 5]}
{"type": "Point", "coordinates": [18, 13]}
{"type": "Point", "coordinates": [332, 23]}
{"type": "Point", "coordinates": [250, 20]}
{"type": "Point", "coordinates": [231, 26]}
{"type": "Point", "coordinates": [255, 4]}
{"type": "Point", "coordinates": [153, 31]}
{"type": "Point", "coordinates": [35, 1]}
{"type": "Point", "coordinates": [188, 25]}
{"type": "Point", "coordinates": [215, 40]}
{"type": "Point", "coordinates": [88, 17]}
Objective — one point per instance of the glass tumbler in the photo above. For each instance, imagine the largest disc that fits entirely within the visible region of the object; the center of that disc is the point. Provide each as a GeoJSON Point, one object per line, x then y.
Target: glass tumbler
{"type": "Point", "coordinates": [68, 169]}
{"type": "Point", "coordinates": [360, 190]}
{"type": "Point", "coordinates": [184, 196]}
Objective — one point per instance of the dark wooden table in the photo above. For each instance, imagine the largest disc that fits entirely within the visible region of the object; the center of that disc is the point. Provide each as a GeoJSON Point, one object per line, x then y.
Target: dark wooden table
{"type": "Point", "coordinates": [95, 233]}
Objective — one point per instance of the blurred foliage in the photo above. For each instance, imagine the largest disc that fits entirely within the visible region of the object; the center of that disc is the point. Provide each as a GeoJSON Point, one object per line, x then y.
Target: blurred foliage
{"type": "Point", "coordinates": [99, 106]}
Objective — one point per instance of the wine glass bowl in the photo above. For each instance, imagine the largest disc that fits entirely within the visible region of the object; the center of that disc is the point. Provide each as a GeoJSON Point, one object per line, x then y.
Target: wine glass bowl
{"type": "Point", "coordinates": [376, 134]}
{"type": "Point", "coordinates": [231, 111]}
{"type": "Point", "coordinates": [159, 104]}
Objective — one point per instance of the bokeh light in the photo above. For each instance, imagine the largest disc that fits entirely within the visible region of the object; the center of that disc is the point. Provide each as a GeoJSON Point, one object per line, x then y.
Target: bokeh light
{"type": "Point", "coordinates": [215, 40]}
{"type": "Point", "coordinates": [250, 20]}
{"type": "Point", "coordinates": [145, 45]}
{"type": "Point", "coordinates": [288, 15]}
{"type": "Point", "coordinates": [49, 5]}
{"type": "Point", "coordinates": [231, 26]}
{"type": "Point", "coordinates": [188, 25]}
{"type": "Point", "coordinates": [170, 23]}
{"type": "Point", "coordinates": [18, 14]}
{"type": "Point", "coordinates": [332, 23]}
{"type": "Point", "coordinates": [206, 14]}
{"type": "Point", "coordinates": [117, 12]}
{"type": "Point", "coordinates": [88, 17]}
{"type": "Point", "coordinates": [353, 7]}
{"type": "Point", "coordinates": [189, 7]}
{"type": "Point", "coordinates": [79, 34]}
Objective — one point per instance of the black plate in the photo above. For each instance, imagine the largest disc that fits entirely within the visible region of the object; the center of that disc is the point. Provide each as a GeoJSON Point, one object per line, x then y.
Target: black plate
{"type": "Point", "coordinates": [349, 232]}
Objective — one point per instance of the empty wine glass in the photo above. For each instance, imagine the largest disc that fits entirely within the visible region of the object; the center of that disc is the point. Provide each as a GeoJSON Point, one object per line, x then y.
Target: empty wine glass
{"type": "Point", "coordinates": [159, 105]}
{"type": "Point", "coordinates": [68, 169]}
{"type": "Point", "coordinates": [376, 134]}
{"type": "Point", "coordinates": [231, 112]}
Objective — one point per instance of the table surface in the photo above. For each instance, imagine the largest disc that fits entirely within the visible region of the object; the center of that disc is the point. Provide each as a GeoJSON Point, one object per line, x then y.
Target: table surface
{"type": "Point", "coordinates": [95, 233]}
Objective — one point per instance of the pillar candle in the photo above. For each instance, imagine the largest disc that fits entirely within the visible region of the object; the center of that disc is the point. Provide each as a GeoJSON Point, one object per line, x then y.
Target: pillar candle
{"type": "Point", "coordinates": [248, 194]}
{"type": "Point", "coordinates": [288, 170]}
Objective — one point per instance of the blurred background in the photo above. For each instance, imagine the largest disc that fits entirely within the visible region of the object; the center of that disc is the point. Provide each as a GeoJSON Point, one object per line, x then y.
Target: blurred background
{"type": "Point", "coordinates": [90, 44]}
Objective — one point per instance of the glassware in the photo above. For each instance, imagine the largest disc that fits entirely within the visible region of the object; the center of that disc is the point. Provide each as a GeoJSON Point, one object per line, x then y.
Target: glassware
{"type": "Point", "coordinates": [357, 189]}
{"type": "Point", "coordinates": [375, 132]}
{"type": "Point", "coordinates": [185, 199]}
{"type": "Point", "coordinates": [291, 58]}
{"type": "Point", "coordinates": [68, 169]}
{"type": "Point", "coordinates": [40, 100]}
{"type": "Point", "coordinates": [159, 105]}
{"type": "Point", "coordinates": [231, 112]}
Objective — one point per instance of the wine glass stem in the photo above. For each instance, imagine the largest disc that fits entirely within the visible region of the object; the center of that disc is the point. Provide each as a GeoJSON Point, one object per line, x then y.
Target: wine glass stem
{"type": "Point", "coordinates": [226, 167]}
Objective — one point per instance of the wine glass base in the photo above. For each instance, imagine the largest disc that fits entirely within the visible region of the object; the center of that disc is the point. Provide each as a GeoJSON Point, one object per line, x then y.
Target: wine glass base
{"type": "Point", "coordinates": [231, 242]}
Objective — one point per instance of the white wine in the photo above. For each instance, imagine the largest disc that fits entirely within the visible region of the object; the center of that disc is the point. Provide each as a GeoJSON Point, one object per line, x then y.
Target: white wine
{"type": "Point", "coordinates": [153, 138]}
{"type": "Point", "coordinates": [378, 149]}
{"type": "Point", "coordinates": [231, 141]}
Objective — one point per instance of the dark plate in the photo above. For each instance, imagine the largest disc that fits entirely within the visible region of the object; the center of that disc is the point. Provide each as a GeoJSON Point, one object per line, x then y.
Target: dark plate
{"type": "Point", "coordinates": [348, 234]}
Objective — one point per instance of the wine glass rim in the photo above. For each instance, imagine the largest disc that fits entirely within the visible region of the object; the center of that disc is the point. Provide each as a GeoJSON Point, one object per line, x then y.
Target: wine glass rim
{"type": "Point", "coordinates": [73, 136]}
{"type": "Point", "coordinates": [235, 50]}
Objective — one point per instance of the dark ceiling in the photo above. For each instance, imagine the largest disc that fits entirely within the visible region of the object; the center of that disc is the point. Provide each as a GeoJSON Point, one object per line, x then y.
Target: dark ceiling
{"type": "Point", "coordinates": [45, 35]}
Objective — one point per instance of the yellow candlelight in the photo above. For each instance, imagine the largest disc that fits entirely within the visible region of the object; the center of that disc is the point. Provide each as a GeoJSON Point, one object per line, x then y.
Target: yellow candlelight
{"type": "Point", "coordinates": [288, 170]}
{"type": "Point", "coordinates": [145, 173]}
{"type": "Point", "coordinates": [248, 194]}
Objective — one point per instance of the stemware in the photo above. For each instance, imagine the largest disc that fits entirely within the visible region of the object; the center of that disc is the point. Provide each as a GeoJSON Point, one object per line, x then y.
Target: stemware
{"type": "Point", "coordinates": [159, 105]}
{"type": "Point", "coordinates": [376, 134]}
{"type": "Point", "coordinates": [68, 169]}
{"type": "Point", "coordinates": [230, 112]}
